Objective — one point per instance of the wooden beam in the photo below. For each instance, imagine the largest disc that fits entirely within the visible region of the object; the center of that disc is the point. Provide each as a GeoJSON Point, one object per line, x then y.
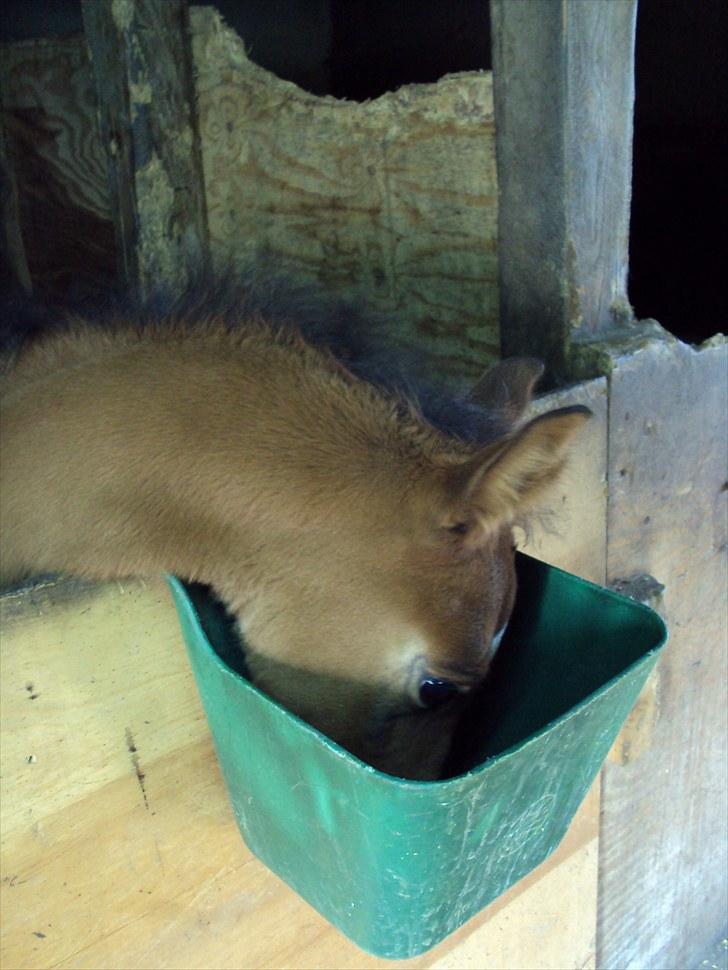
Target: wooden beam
{"type": "Point", "coordinates": [140, 51]}
{"type": "Point", "coordinates": [564, 92]}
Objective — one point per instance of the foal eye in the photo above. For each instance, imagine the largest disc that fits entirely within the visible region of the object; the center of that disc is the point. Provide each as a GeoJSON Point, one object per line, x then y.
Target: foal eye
{"type": "Point", "coordinates": [434, 692]}
{"type": "Point", "coordinates": [459, 529]}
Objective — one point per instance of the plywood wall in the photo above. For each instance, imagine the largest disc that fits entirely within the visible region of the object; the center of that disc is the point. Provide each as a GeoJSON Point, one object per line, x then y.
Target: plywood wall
{"type": "Point", "coordinates": [395, 198]}
{"type": "Point", "coordinates": [49, 116]}
{"type": "Point", "coordinates": [396, 195]}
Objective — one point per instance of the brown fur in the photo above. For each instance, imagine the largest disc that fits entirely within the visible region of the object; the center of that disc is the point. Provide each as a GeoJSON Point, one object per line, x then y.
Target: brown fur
{"type": "Point", "coordinates": [360, 548]}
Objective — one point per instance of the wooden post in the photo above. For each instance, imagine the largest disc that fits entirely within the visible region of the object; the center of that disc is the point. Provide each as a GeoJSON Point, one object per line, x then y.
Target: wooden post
{"type": "Point", "coordinates": [140, 52]}
{"type": "Point", "coordinates": [662, 849]}
{"type": "Point", "coordinates": [564, 92]}
{"type": "Point", "coordinates": [563, 95]}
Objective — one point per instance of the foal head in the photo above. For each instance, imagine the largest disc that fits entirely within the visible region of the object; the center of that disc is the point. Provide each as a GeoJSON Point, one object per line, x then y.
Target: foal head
{"type": "Point", "coordinates": [376, 625]}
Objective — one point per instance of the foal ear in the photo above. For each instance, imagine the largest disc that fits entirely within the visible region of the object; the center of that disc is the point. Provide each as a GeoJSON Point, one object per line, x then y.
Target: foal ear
{"type": "Point", "coordinates": [508, 386]}
{"type": "Point", "coordinates": [510, 475]}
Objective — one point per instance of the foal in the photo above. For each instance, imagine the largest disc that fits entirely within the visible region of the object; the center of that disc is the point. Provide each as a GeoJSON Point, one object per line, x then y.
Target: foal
{"type": "Point", "coordinates": [367, 555]}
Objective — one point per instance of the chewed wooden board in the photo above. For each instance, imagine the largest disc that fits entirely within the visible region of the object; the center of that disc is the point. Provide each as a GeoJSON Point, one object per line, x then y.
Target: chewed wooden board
{"type": "Point", "coordinates": [119, 847]}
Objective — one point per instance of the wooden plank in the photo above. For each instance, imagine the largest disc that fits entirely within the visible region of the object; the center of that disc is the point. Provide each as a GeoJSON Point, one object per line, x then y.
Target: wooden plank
{"type": "Point", "coordinates": [663, 891]}
{"type": "Point", "coordinates": [49, 108]}
{"type": "Point", "coordinates": [143, 73]}
{"type": "Point", "coordinates": [564, 91]}
{"type": "Point", "coordinates": [396, 196]}
{"type": "Point", "coordinates": [570, 531]}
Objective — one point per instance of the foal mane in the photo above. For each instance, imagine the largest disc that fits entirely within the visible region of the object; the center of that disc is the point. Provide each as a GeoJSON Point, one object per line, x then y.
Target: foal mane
{"type": "Point", "coordinates": [234, 310]}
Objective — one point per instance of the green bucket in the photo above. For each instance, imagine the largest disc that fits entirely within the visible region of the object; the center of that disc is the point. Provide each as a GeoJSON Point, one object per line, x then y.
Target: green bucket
{"type": "Point", "coordinates": [398, 865]}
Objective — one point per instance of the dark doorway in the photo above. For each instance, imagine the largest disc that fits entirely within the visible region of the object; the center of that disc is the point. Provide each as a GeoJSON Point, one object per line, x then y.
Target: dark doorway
{"type": "Point", "coordinates": [678, 253]}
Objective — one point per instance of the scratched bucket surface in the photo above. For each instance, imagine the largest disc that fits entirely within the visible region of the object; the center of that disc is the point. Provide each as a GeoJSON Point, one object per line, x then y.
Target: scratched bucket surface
{"type": "Point", "coordinates": [397, 865]}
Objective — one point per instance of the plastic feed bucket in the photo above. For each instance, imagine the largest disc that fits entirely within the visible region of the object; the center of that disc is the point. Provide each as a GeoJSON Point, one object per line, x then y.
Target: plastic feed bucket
{"type": "Point", "coordinates": [397, 865]}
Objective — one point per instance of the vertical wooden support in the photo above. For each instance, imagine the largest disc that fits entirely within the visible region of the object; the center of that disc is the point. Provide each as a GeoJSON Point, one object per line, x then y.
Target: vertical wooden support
{"type": "Point", "coordinates": [663, 893]}
{"type": "Point", "coordinates": [14, 274]}
{"type": "Point", "coordinates": [564, 92]}
{"type": "Point", "coordinates": [140, 51]}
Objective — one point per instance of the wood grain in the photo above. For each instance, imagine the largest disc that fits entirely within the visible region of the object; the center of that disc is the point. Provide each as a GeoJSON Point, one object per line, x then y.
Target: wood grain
{"type": "Point", "coordinates": [395, 196]}
{"type": "Point", "coordinates": [564, 91]}
{"type": "Point", "coordinates": [663, 864]}
{"type": "Point", "coordinates": [142, 69]}
{"type": "Point", "coordinates": [570, 530]}
{"type": "Point", "coordinates": [59, 163]}
{"type": "Point", "coordinates": [50, 79]}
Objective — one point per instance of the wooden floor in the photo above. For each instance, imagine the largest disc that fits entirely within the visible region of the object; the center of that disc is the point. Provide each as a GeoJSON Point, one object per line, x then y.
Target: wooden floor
{"type": "Point", "coordinates": [119, 847]}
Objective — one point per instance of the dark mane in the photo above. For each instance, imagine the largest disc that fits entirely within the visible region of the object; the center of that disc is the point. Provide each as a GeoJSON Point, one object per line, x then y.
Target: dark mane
{"type": "Point", "coordinates": [359, 337]}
